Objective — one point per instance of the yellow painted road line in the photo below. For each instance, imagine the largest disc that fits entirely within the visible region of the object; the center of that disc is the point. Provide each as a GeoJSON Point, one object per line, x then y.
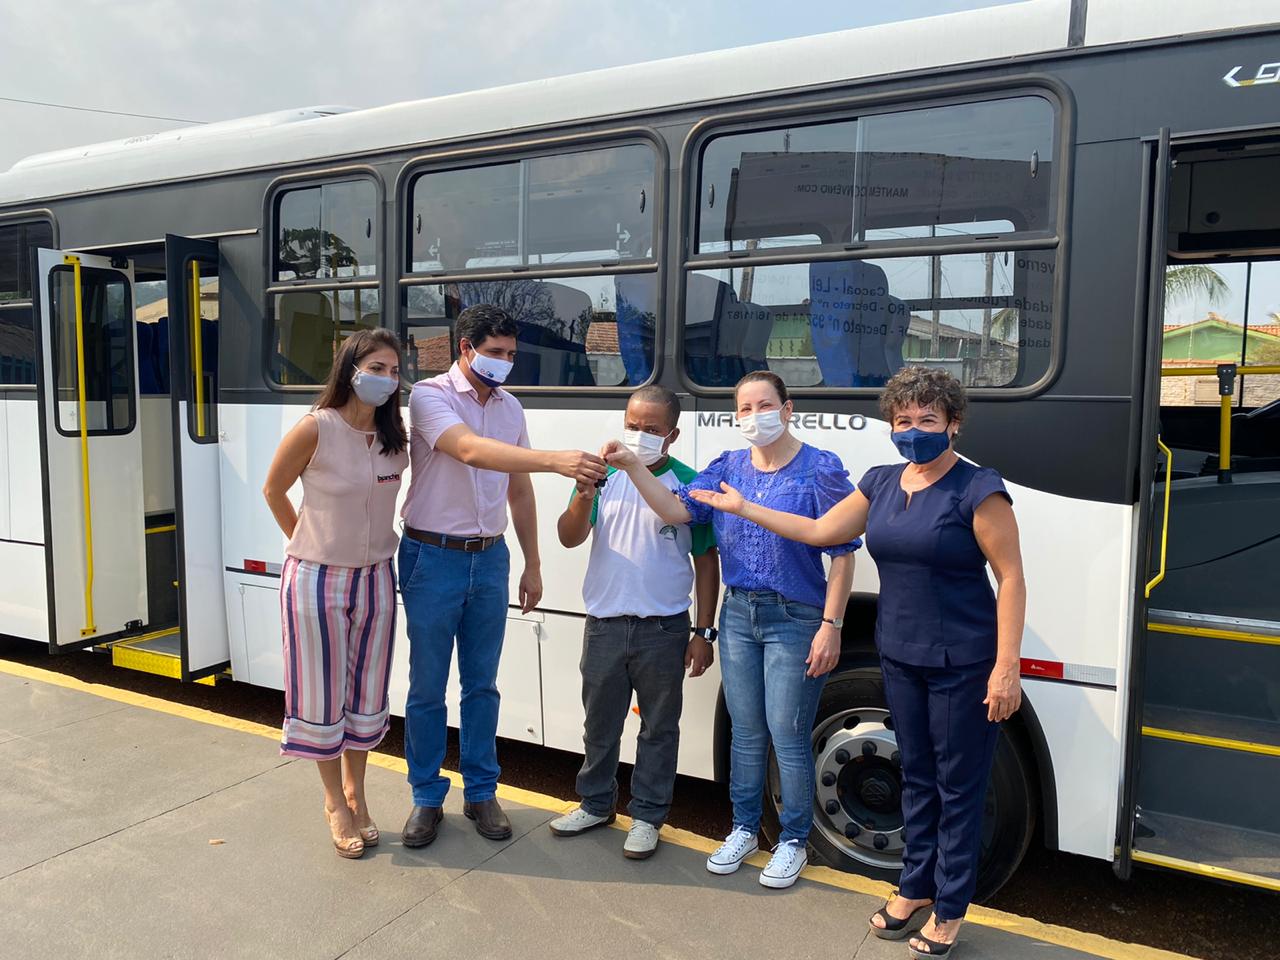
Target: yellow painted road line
{"type": "Point", "coordinates": [1206, 870]}
{"type": "Point", "coordinates": [1090, 943]}
{"type": "Point", "coordinates": [1244, 746]}
{"type": "Point", "coordinates": [1213, 633]}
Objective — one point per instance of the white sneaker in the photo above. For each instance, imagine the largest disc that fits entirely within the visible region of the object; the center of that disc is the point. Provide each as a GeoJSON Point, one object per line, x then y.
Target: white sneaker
{"type": "Point", "coordinates": [642, 841]}
{"type": "Point", "coordinates": [785, 865]}
{"type": "Point", "coordinates": [578, 821]}
{"type": "Point", "coordinates": [737, 847]}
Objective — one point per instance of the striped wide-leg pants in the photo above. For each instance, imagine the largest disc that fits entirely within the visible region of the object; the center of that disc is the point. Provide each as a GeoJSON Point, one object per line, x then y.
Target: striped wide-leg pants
{"type": "Point", "coordinates": [338, 625]}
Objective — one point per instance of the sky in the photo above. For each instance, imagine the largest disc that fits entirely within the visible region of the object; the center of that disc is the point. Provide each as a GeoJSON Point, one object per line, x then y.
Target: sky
{"type": "Point", "coordinates": [236, 58]}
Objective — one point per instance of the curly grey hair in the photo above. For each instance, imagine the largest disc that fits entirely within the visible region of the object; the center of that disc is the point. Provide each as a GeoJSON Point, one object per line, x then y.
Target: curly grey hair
{"type": "Point", "coordinates": [924, 387]}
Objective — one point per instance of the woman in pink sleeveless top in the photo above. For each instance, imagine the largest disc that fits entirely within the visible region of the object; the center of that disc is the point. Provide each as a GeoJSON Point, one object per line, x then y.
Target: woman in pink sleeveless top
{"type": "Point", "coordinates": [338, 588]}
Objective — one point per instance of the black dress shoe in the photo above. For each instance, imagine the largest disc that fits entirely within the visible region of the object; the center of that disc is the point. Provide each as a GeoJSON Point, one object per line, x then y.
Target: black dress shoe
{"type": "Point", "coordinates": [420, 828]}
{"type": "Point", "coordinates": [491, 822]}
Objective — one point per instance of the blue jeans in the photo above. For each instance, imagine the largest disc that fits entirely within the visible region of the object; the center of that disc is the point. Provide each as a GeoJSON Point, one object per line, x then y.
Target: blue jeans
{"type": "Point", "coordinates": [764, 640]}
{"type": "Point", "coordinates": [451, 594]}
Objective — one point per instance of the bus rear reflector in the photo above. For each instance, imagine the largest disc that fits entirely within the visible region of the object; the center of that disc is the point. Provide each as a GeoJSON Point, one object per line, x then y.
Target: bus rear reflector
{"type": "Point", "coordinates": [260, 566]}
{"type": "Point", "coordinates": [1052, 669]}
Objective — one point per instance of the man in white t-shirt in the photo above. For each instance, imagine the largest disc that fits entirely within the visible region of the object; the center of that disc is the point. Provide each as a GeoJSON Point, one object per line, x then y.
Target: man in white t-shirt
{"type": "Point", "coordinates": [638, 633]}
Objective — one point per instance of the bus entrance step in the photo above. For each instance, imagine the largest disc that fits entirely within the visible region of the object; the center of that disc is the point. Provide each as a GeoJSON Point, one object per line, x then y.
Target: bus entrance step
{"type": "Point", "coordinates": [1222, 730]}
{"type": "Point", "coordinates": [1208, 849]}
{"type": "Point", "coordinates": [1212, 780]}
{"type": "Point", "coordinates": [1213, 665]}
{"type": "Point", "coordinates": [159, 652]}
{"type": "Point", "coordinates": [1188, 623]}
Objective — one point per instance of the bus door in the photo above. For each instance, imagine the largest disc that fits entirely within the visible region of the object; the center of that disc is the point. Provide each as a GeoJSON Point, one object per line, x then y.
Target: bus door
{"type": "Point", "coordinates": [191, 269]}
{"type": "Point", "coordinates": [1203, 757]}
{"type": "Point", "coordinates": [91, 450]}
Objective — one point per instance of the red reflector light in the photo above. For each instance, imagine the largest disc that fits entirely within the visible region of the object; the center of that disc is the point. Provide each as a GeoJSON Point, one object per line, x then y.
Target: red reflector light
{"type": "Point", "coordinates": [1042, 668]}
{"type": "Point", "coordinates": [255, 566]}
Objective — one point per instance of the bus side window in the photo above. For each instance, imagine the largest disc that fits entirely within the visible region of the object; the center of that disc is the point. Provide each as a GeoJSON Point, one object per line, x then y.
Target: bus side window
{"type": "Point", "coordinates": [324, 247]}
{"type": "Point", "coordinates": [829, 201]}
{"type": "Point", "coordinates": [17, 331]}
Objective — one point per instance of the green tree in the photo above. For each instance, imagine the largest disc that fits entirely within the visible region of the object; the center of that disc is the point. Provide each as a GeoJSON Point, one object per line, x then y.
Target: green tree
{"type": "Point", "coordinates": [1191, 280]}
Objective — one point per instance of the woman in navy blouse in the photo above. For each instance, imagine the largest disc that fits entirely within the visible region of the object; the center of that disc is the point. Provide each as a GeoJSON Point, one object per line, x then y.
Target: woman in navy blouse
{"type": "Point", "coordinates": [781, 617]}
{"type": "Point", "coordinates": [949, 646]}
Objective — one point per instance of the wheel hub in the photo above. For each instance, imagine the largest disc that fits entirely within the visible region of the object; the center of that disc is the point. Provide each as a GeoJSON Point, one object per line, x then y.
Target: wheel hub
{"type": "Point", "coordinates": [858, 799]}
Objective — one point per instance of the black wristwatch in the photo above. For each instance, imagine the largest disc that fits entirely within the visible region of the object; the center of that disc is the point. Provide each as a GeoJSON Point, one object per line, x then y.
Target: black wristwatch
{"type": "Point", "coordinates": [708, 634]}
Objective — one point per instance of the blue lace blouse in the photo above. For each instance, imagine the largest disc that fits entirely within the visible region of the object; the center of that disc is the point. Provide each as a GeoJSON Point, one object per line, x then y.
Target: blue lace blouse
{"type": "Point", "coordinates": [752, 558]}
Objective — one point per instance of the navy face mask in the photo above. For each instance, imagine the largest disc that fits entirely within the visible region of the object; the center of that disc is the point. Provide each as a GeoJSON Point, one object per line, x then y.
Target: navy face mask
{"type": "Point", "coordinates": [921, 446]}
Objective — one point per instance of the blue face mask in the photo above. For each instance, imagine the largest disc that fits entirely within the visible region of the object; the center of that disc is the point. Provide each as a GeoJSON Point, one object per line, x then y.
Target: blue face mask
{"type": "Point", "coordinates": [921, 446]}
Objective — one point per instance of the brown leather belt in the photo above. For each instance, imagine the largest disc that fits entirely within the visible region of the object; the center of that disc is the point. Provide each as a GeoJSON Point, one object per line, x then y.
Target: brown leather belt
{"type": "Point", "coordinates": [465, 544]}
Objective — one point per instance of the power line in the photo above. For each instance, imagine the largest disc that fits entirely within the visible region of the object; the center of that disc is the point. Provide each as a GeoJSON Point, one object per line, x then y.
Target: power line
{"type": "Point", "coordinates": [114, 113]}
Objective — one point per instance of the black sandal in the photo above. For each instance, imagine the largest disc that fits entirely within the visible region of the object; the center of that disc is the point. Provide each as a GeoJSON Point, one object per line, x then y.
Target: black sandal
{"type": "Point", "coordinates": [894, 928]}
{"type": "Point", "coordinates": [935, 949]}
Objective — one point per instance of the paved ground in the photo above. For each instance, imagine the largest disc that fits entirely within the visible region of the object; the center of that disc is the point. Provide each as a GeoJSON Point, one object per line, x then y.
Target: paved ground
{"type": "Point", "coordinates": [105, 852]}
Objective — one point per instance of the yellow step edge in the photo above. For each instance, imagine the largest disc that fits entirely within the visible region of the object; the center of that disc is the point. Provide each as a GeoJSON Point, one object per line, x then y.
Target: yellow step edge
{"type": "Point", "coordinates": [1240, 635]}
{"type": "Point", "coordinates": [1206, 870]}
{"type": "Point", "coordinates": [128, 656]}
{"type": "Point", "coordinates": [1243, 746]}
{"type": "Point", "coordinates": [167, 529]}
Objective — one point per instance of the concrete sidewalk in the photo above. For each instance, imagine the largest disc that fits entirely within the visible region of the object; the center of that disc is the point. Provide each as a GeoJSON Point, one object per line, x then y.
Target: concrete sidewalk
{"type": "Point", "coordinates": [111, 801]}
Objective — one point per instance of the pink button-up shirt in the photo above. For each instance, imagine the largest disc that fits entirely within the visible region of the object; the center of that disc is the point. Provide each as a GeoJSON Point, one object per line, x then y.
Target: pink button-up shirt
{"type": "Point", "coordinates": [445, 495]}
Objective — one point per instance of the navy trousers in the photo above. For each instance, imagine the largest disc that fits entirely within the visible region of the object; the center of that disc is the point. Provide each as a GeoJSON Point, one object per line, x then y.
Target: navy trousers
{"type": "Point", "coordinates": [947, 745]}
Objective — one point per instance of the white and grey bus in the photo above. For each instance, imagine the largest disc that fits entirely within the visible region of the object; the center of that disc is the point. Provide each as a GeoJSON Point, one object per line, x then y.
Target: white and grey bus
{"type": "Point", "coordinates": [1006, 193]}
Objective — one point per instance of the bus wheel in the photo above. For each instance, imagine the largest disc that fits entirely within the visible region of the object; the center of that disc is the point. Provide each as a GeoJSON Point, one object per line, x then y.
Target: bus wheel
{"type": "Point", "coordinates": [857, 822]}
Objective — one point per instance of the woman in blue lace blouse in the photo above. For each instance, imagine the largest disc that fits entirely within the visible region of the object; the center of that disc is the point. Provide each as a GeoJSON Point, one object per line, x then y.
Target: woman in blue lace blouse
{"type": "Point", "coordinates": [781, 617]}
{"type": "Point", "coordinates": [949, 645]}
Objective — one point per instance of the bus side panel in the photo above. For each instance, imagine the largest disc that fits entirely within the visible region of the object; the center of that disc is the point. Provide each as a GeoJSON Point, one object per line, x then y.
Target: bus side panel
{"type": "Point", "coordinates": [1081, 726]}
{"type": "Point", "coordinates": [24, 610]}
{"type": "Point", "coordinates": [24, 606]}
{"type": "Point", "coordinates": [25, 477]}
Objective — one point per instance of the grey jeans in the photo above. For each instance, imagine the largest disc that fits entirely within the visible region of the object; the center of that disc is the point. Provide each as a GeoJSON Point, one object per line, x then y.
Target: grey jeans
{"type": "Point", "coordinates": [621, 655]}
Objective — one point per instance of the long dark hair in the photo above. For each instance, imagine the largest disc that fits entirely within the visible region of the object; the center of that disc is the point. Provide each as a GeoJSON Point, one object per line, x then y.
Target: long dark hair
{"type": "Point", "coordinates": [337, 389]}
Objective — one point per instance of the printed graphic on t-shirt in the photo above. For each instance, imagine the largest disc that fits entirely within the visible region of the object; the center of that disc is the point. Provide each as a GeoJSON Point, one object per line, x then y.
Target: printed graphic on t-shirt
{"type": "Point", "coordinates": [388, 477]}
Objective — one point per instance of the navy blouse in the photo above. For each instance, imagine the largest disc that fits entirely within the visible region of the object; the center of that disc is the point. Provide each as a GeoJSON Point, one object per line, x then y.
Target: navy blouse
{"type": "Point", "coordinates": [752, 558]}
{"type": "Point", "coordinates": [936, 606]}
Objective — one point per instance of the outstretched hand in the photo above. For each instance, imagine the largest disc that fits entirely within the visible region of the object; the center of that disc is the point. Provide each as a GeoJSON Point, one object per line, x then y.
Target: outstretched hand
{"type": "Point", "coordinates": [618, 456]}
{"type": "Point", "coordinates": [729, 501]}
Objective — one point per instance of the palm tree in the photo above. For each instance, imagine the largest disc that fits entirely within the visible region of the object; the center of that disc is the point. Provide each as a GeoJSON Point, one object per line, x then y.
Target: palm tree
{"type": "Point", "coordinates": [1192, 280]}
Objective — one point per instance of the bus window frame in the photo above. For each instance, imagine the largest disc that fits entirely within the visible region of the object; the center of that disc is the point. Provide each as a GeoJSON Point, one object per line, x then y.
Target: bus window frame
{"type": "Point", "coordinates": [18, 218]}
{"type": "Point", "coordinates": [526, 149]}
{"type": "Point", "coordinates": [131, 344]}
{"type": "Point", "coordinates": [272, 287]}
{"type": "Point", "coordinates": [1044, 86]}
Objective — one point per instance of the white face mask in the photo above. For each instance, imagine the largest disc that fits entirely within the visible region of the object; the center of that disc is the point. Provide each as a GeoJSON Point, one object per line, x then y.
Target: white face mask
{"type": "Point", "coordinates": [491, 371]}
{"type": "Point", "coordinates": [762, 429]}
{"type": "Point", "coordinates": [372, 388]}
{"type": "Point", "coordinates": [646, 447]}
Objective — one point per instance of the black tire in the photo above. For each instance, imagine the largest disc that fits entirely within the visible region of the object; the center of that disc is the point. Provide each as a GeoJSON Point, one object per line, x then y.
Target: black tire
{"type": "Point", "coordinates": [862, 833]}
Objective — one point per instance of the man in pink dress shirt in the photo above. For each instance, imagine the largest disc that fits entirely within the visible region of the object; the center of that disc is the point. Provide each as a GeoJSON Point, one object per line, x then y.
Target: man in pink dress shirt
{"type": "Point", "coordinates": [469, 461]}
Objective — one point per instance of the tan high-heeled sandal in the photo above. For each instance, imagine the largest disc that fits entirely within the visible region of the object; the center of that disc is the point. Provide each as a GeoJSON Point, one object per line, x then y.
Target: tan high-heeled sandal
{"type": "Point", "coordinates": [349, 848]}
{"type": "Point", "coordinates": [368, 834]}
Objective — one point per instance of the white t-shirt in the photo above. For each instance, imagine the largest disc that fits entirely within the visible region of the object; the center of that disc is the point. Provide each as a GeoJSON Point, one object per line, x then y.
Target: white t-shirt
{"type": "Point", "coordinates": [639, 563]}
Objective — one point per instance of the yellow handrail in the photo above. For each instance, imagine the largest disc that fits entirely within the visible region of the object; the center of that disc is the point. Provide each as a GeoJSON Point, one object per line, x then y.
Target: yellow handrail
{"type": "Point", "coordinates": [89, 628]}
{"type": "Point", "coordinates": [1226, 374]}
{"type": "Point", "coordinates": [197, 349]}
{"type": "Point", "coordinates": [1164, 526]}
{"type": "Point", "coordinates": [1213, 371]}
